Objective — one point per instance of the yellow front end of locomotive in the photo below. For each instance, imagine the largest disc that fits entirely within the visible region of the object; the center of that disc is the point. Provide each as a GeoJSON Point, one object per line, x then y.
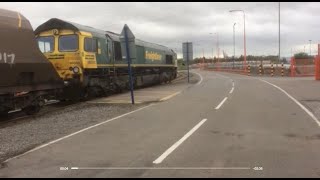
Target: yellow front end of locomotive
{"type": "Point", "coordinates": [65, 50]}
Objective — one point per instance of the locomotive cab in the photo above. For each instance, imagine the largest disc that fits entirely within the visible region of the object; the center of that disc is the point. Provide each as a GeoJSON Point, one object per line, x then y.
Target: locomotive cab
{"type": "Point", "coordinates": [65, 50]}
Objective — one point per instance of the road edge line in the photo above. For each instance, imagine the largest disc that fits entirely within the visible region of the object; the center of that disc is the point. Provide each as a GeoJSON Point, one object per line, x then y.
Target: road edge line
{"type": "Point", "coordinates": [170, 96]}
{"type": "Point", "coordinates": [77, 132]}
{"type": "Point", "coordinates": [201, 78]}
{"type": "Point", "coordinates": [296, 101]}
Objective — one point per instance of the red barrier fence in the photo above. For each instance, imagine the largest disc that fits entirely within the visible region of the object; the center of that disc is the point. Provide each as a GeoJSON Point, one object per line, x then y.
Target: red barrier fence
{"type": "Point", "coordinates": [302, 67]}
{"type": "Point", "coordinates": [218, 67]}
{"type": "Point", "coordinates": [317, 67]}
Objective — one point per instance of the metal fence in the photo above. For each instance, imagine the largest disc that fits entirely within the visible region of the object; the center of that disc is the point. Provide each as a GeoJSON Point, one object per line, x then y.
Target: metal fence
{"type": "Point", "coordinates": [302, 67]}
{"type": "Point", "coordinates": [251, 68]}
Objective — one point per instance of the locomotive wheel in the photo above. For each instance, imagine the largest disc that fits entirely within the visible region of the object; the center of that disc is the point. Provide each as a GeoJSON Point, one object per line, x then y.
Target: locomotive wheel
{"type": "Point", "coordinates": [166, 80]}
{"type": "Point", "coordinates": [118, 89]}
{"type": "Point", "coordinates": [4, 114]}
{"type": "Point", "coordinates": [161, 80]}
{"type": "Point", "coordinates": [31, 110]}
{"type": "Point", "coordinates": [85, 94]}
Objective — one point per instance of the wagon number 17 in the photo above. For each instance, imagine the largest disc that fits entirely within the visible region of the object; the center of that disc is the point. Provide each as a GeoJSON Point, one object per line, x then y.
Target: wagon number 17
{"type": "Point", "coordinates": [7, 58]}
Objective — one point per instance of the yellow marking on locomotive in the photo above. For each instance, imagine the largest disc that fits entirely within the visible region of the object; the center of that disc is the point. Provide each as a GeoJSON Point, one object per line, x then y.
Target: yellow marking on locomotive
{"type": "Point", "coordinates": [19, 23]}
{"type": "Point", "coordinates": [153, 56]}
{"type": "Point", "coordinates": [87, 34]}
{"type": "Point", "coordinates": [88, 58]}
{"type": "Point", "coordinates": [136, 65]}
{"type": "Point", "coordinates": [63, 61]}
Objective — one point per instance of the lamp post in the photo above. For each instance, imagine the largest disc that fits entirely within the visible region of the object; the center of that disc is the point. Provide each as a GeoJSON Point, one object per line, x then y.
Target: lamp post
{"type": "Point", "coordinates": [217, 48]}
{"type": "Point", "coordinates": [212, 55]}
{"type": "Point", "coordinates": [195, 45]}
{"type": "Point", "coordinates": [202, 57]}
{"type": "Point", "coordinates": [279, 34]}
{"type": "Point", "coordinates": [244, 36]}
{"type": "Point", "coordinates": [310, 47]}
{"type": "Point", "coordinates": [234, 49]}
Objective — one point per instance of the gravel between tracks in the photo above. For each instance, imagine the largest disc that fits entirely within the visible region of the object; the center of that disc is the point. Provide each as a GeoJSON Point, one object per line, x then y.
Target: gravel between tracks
{"type": "Point", "coordinates": [17, 138]}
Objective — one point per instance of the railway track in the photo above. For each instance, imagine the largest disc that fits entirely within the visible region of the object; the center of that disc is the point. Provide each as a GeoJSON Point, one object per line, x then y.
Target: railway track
{"type": "Point", "coordinates": [18, 116]}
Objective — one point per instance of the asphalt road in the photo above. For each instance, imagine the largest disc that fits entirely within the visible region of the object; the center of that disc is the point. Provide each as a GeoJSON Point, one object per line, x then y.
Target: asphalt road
{"type": "Point", "coordinates": [226, 125]}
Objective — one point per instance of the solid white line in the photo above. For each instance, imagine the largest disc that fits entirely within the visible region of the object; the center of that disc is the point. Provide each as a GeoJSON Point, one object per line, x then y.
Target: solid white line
{"type": "Point", "coordinates": [231, 90]}
{"type": "Point", "coordinates": [170, 96]}
{"type": "Point", "coordinates": [74, 168]}
{"type": "Point", "coordinates": [57, 140]}
{"type": "Point", "coordinates": [163, 168]}
{"type": "Point", "coordinates": [296, 101]}
{"type": "Point", "coordinates": [175, 145]}
{"type": "Point", "coordinates": [221, 103]}
{"type": "Point", "coordinates": [200, 78]}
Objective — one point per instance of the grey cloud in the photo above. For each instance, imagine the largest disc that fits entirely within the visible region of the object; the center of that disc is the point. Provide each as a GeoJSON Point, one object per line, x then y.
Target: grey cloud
{"type": "Point", "coordinates": [171, 23]}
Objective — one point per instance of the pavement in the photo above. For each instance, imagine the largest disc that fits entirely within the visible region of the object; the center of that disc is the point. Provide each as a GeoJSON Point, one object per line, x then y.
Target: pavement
{"type": "Point", "coordinates": [226, 125]}
{"type": "Point", "coordinates": [151, 94]}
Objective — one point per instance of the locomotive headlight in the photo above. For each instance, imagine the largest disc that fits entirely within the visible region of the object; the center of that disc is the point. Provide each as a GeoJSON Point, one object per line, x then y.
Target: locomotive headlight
{"type": "Point", "coordinates": [75, 70]}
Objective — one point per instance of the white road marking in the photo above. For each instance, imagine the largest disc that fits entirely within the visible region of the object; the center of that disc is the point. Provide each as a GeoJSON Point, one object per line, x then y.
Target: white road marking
{"type": "Point", "coordinates": [170, 96]}
{"type": "Point", "coordinates": [296, 101]}
{"type": "Point", "coordinates": [175, 145]}
{"type": "Point", "coordinates": [231, 90]}
{"type": "Point", "coordinates": [221, 103]}
{"type": "Point", "coordinates": [62, 138]}
{"type": "Point", "coordinates": [159, 168]}
{"type": "Point", "coordinates": [201, 79]}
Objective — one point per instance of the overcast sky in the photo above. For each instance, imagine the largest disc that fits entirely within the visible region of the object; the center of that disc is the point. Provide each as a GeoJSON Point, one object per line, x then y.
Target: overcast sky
{"type": "Point", "coordinates": [171, 23]}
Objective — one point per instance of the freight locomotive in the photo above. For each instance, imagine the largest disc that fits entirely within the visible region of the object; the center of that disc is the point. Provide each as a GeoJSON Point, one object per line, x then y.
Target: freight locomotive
{"type": "Point", "coordinates": [90, 62]}
{"type": "Point", "coordinates": [27, 78]}
{"type": "Point", "coordinates": [67, 61]}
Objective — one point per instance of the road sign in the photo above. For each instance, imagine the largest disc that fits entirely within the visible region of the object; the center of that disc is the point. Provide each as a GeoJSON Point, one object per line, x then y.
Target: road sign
{"type": "Point", "coordinates": [128, 49]}
{"type": "Point", "coordinates": [131, 41]}
{"type": "Point", "coordinates": [187, 50]}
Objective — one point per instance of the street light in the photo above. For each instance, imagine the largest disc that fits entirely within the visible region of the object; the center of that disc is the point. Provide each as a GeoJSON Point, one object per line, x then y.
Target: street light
{"type": "Point", "coordinates": [234, 49]}
{"type": "Point", "coordinates": [244, 36]}
{"type": "Point", "coordinates": [218, 50]}
{"type": "Point", "coordinates": [279, 35]}
{"type": "Point", "coordinates": [310, 47]}
{"type": "Point", "coordinates": [195, 45]}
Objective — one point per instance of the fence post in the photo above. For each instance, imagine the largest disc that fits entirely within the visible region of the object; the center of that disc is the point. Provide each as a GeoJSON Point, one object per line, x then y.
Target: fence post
{"type": "Point", "coordinates": [317, 64]}
{"type": "Point", "coordinates": [260, 69]}
{"type": "Point", "coordinates": [316, 68]}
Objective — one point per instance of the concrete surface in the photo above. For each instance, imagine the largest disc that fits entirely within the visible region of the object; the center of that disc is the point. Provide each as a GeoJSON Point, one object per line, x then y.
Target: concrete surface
{"type": "Point", "coordinates": [256, 132]}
